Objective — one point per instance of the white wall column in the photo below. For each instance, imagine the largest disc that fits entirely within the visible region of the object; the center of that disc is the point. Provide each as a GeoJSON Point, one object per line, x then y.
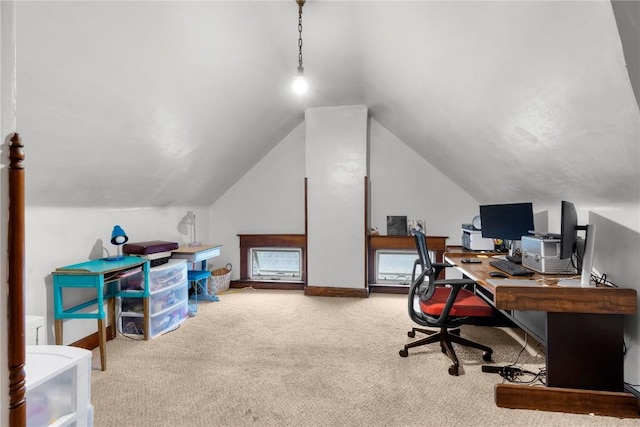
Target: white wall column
{"type": "Point", "coordinates": [336, 167]}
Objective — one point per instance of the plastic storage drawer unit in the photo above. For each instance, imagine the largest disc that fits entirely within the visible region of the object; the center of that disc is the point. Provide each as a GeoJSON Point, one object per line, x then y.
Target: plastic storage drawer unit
{"type": "Point", "coordinates": [167, 302]}
{"type": "Point", "coordinates": [58, 383]}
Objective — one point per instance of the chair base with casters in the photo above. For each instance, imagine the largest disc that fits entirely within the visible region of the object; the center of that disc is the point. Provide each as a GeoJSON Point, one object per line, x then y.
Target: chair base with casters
{"type": "Point", "coordinates": [446, 338]}
{"type": "Point", "coordinates": [444, 305]}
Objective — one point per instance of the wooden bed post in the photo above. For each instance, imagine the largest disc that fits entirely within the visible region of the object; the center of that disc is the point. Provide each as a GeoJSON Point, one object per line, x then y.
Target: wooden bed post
{"type": "Point", "coordinates": [15, 296]}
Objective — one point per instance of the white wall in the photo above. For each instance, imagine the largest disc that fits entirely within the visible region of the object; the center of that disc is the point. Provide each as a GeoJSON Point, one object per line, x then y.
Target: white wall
{"type": "Point", "coordinates": [267, 199]}
{"type": "Point", "coordinates": [403, 183]}
{"type": "Point", "coordinates": [56, 237]}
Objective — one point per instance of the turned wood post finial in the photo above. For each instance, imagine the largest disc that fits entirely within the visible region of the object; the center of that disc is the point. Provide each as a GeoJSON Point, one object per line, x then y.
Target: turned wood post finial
{"type": "Point", "coordinates": [16, 155]}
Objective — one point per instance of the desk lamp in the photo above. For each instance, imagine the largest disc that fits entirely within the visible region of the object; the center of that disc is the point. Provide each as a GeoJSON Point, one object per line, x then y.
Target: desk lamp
{"type": "Point", "coordinates": [118, 238]}
{"type": "Point", "coordinates": [190, 220]}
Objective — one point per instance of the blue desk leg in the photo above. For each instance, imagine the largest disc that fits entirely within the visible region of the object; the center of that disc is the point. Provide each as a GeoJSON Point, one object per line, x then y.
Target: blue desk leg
{"type": "Point", "coordinates": [201, 290]}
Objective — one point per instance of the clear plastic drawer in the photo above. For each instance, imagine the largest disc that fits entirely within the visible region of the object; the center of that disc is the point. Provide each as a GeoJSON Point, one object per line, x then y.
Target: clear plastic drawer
{"type": "Point", "coordinates": [169, 319]}
{"type": "Point", "coordinates": [133, 324]}
{"type": "Point", "coordinates": [167, 275]}
{"type": "Point", "coordinates": [52, 400]}
{"type": "Point", "coordinates": [157, 302]}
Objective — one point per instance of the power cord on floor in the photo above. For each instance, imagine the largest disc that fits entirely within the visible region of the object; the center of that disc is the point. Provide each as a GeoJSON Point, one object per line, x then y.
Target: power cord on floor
{"type": "Point", "coordinates": [515, 374]}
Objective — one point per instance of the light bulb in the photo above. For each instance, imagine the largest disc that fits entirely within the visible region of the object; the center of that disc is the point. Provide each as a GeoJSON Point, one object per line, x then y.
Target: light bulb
{"type": "Point", "coordinates": [300, 85]}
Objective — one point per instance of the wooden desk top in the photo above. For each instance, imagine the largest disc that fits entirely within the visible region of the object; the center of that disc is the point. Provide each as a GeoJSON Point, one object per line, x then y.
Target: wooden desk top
{"type": "Point", "coordinates": [184, 249]}
{"type": "Point", "coordinates": [101, 266]}
{"type": "Point", "coordinates": [548, 296]}
{"type": "Point", "coordinates": [197, 253]}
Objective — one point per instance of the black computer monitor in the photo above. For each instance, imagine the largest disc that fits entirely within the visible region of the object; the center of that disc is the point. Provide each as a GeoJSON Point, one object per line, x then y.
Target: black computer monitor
{"type": "Point", "coordinates": [506, 221]}
{"type": "Point", "coordinates": [568, 229]}
{"type": "Point", "coordinates": [569, 243]}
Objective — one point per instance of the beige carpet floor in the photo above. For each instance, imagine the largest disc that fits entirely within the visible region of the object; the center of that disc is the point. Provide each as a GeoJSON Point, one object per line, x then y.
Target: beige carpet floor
{"type": "Point", "coordinates": [279, 358]}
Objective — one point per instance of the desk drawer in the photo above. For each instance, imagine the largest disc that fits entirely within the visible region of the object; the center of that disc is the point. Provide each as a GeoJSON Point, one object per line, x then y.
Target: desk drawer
{"type": "Point", "coordinates": [167, 275]}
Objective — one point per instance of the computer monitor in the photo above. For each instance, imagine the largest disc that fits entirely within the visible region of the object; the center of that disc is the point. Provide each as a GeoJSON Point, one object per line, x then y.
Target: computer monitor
{"type": "Point", "coordinates": [569, 244]}
{"type": "Point", "coordinates": [568, 229]}
{"type": "Point", "coordinates": [506, 221]}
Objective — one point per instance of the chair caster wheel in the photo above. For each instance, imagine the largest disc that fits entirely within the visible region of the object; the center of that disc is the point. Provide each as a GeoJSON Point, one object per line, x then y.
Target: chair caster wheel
{"type": "Point", "coordinates": [486, 356]}
{"type": "Point", "coordinates": [453, 370]}
{"type": "Point", "coordinates": [404, 352]}
{"type": "Point", "coordinates": [411, 334]}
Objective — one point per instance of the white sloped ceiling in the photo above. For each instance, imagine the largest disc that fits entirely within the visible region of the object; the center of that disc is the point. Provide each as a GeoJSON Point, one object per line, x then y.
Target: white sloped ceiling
{"type": "Point", "coordinates": [159, 103]}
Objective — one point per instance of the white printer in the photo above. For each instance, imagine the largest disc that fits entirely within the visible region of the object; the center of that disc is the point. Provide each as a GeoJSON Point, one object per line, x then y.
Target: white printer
{"type": "Point", "coordinates": [472, 239]}
{"type": "Point", "coordinates": [542, 254]}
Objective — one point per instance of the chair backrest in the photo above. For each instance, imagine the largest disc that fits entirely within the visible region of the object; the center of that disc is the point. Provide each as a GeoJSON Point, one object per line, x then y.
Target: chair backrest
{"type": "Point", "coordinates": [423, 252]}
{"type": "Point", "coordinates": [428, 271]}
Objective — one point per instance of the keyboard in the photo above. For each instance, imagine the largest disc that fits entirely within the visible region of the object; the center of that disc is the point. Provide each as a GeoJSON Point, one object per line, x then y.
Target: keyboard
{"type": "Point", "coordinates": [511, 268]}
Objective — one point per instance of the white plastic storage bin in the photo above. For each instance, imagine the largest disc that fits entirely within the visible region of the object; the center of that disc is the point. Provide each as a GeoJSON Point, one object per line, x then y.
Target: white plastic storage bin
{"type": "Point", "coordinates": [58, 383]}
{"type": "Point", "coordinates": [168, 297]}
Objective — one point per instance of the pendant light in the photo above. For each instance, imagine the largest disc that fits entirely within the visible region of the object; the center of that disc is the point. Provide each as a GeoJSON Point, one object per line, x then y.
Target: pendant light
{"type": "Point", "coordinates": [300, 84]}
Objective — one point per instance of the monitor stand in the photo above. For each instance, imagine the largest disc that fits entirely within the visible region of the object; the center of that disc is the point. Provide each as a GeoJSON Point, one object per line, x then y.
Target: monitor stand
{"type": "Point", "coordinates": [515, 247]}
{"type": "Point", "coordinates": [515, 251]}
{"type": "Point", "coordinates": [587, 259]}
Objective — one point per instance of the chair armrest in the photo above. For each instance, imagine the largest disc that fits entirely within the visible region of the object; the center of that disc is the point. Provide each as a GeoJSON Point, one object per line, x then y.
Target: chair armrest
{"type": "Point", "coordinates": [439, 266]}
{"type": "Point", "coordinates": [442, 264]}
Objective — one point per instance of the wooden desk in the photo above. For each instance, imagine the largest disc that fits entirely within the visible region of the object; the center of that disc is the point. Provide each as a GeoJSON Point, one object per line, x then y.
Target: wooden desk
{"type": "Point", "coordinates": [95, 274]}
{"type": "Point", "coordinates": [201, 254]}
{"type": "Point", "coordinates": [583, 341]}
{"type": "Point", "coordinates": [195, 254]}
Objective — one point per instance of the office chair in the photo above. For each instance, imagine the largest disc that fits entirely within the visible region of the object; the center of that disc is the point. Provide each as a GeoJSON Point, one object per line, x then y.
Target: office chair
{"type": "Point", "coordinates": [444, 304]}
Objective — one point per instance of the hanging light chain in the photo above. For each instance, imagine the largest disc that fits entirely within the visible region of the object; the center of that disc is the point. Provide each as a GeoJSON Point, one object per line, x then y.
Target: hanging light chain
{"type": "Point", "coordinates": [300, 4]}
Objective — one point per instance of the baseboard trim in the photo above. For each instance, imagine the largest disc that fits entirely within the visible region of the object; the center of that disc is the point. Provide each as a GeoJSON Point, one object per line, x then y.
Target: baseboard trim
{"type": "Point", "coordinates": [93, 341]}
{"type": "Point", "coordinates": [327, 291]}
{"type": "Point", "coordinates": [291, 286]}
{"type": "Point", "coordinates": [388, 289]}
{"type": "Point", "coordinates": [607, 403]}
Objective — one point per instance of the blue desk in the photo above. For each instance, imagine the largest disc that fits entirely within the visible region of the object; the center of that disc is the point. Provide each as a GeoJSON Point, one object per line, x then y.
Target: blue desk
{"type": "Point", "coordinates": [102, 276]}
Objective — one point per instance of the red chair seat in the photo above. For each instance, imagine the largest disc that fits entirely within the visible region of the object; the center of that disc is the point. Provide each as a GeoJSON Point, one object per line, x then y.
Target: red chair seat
{"type": "Point", "coordinates": [466, 304]}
